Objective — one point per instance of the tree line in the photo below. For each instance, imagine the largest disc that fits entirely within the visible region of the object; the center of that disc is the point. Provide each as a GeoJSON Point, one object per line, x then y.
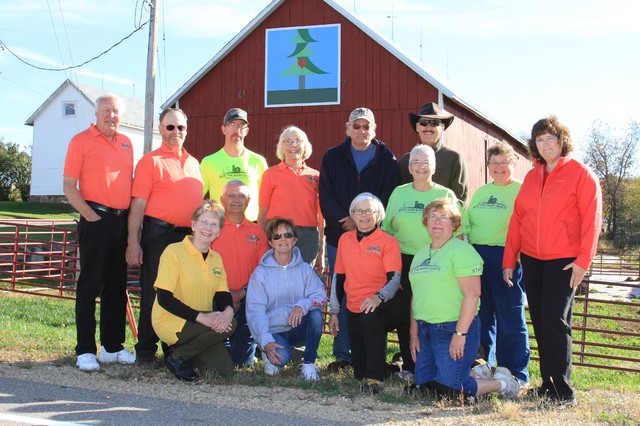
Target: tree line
{"type": "Point", "coordinates": [613, 155]}
{"type": "Point", "coordinates": [15, 172]}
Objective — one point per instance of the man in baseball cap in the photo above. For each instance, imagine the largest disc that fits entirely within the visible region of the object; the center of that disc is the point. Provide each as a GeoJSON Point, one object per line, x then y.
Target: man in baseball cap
{"type": "Point", "coordinates": [234, 162]}
{"type": "Point", "coordinates": [360, 164]}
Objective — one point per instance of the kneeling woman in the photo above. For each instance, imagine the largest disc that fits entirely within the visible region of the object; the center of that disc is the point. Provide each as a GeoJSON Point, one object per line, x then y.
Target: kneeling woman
{"type": "Point", "coordinates": [367, 270]}
{"type": "Point", "coordinates": [445, 329]}
{"type": "Point", "coordinates": [285, 298]}
{"type": "Point", "coordinates": [193, 310]}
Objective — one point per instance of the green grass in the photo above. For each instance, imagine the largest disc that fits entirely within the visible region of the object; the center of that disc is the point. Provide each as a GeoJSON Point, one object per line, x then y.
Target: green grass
{"type": "Point", "coordinates": [26, 210]}
{"type": "Point", "coordinates": [36, 328]}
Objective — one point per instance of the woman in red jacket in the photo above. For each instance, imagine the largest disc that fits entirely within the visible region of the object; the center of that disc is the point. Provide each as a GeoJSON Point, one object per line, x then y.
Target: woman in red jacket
{"type": "Point", "coordinates": [555, 227]}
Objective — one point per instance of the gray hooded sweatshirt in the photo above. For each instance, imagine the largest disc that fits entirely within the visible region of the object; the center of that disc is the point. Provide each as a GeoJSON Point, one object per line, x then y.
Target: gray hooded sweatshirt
{"type": "Point", "coordinates": [274, 290]}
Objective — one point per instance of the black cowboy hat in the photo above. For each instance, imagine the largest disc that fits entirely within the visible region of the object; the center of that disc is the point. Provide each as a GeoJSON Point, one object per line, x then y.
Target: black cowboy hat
{"type": "Point", "coordinates": [431, 111]}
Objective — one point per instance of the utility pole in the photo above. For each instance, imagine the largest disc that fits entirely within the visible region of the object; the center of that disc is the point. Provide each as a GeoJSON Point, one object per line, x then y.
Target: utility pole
{"type": "Point", "coordinates": [149, 96]}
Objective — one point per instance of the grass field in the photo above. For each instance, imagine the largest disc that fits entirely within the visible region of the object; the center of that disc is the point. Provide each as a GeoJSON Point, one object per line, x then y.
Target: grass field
{"type": "Point", "coordinates": [39, 330]}
{"type": "Point", "coordinates": [26, 210]}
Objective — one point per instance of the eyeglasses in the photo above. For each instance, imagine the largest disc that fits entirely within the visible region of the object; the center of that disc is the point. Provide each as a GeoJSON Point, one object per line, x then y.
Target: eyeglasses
{"type": "Point", "coordinates": [418, 163]}
{"type": "Point", "coordinates": [433, 123]}
{"type": "Point", "coordinates": [172, 127]}
{"type": "Point", "coordinates": [500, 164]}
{"type": "Point", "coordinates": [286, 235]}
{"type": "Point", "coordinates": [364, 211]}
{"type": "Point", "coordinates": [436, 218]}
{"type": "Point", "coordinates": [289, 142]}
{"type": "Point", "coordinates": [235, 126]}
{"type": "Point", "coordinates": [207, 224]}
{"type": "Point", "coordinates": [357, 126]}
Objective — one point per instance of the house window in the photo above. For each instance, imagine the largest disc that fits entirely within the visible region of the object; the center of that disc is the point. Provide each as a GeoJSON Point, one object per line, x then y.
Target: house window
{"type": "Point", "coordinates": [68, 109]}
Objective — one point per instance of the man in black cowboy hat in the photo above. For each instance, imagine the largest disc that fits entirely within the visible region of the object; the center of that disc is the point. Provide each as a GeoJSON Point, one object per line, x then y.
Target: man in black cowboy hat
{"type": "Point", "coordinates": [430, 122]}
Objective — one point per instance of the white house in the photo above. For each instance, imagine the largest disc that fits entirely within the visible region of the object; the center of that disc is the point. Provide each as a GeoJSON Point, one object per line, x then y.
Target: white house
{"type": "Point", "coordinates": [68, 111]}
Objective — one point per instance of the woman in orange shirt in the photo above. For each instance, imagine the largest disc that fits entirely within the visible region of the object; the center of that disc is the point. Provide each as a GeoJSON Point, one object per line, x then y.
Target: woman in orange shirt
{"type": "Point", "coordinates": [367, 270]}
{"type": "Point", "coordinates": [290, 190]}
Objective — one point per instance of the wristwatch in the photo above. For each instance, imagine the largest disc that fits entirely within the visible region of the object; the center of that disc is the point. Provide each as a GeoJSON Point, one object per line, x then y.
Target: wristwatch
{"type": "Point", "coordinates": [460, 333]}
{"type": "Point", "coordinates": [380, 296]}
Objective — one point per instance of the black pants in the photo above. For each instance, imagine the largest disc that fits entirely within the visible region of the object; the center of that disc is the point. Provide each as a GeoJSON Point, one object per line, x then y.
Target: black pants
{"type": "Point", "coordinates": [368, 340]}
{"type": "Point", "coordinates": [399, 316]}
{"type": "Point", "coordinates": [103, 272]}
{"type": "Point", "coordinates": [154, 240]}
{"type": "Point", "coordinates": [550, 300]}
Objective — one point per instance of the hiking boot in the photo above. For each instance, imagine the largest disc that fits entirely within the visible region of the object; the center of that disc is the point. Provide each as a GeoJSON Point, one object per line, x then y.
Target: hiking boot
{"type": "Point", "coordinates": [269, 368]}
{"type": "Point", "coordinates": [309, 372]}
{"type": "Point", "coordinates": [339, 365]}
{"type": "Point", "coordinates": [122, 357]}
{"type": "Point", "coordinates": [372, 387]}
{"type": "Point", "coordinates": [87, 362]}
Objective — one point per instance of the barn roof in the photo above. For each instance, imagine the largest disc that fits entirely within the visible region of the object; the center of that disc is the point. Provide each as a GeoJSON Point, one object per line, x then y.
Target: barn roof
{"type": "Point", "coordinates": [429, 75]}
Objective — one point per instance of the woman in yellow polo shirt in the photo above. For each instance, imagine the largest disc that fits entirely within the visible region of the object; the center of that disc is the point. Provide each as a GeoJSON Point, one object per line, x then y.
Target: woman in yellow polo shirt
{"type": "Point", "coordinates": [193, 310]}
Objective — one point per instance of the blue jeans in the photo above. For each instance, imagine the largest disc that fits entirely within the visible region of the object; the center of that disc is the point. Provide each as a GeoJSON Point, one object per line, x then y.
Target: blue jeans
{"type": "Point", "coordinates": [308, 333]}
{"type": "Point", "coordinates": [503, 328]}
{"type": "Point", "coordinates": [341, 345]}
{"type": "Point", "coordinates": [241, 345]}
{"type": "Point", "coordinates": [434, 363]}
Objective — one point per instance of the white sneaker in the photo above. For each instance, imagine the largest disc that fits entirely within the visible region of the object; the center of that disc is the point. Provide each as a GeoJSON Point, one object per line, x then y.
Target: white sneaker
{"type": "Point", "coordinates": [87, 362]}
{"type": "Point", "coordinates": [309, 372]}
{"type": "Point", "coordinates": [123, 356]}
{"type": "Point", "coordinates": [269, 369]}
{"type": "Point", "coordinates": [513, 387]}
{"type": "Point", "coordinates": [483, 371]}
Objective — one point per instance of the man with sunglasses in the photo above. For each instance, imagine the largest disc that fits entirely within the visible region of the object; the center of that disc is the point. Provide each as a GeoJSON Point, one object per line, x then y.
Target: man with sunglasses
{"type": "Point", "coordinates": [167, 188]}
{"type": "Point", "coordinates": [241, 244]}
{"type": "Point", "coordinates": [360, 164]}
{"type": "Point", "coordinates": [430, 123]}
{"type": "Point", "coordinates": [234, 161]}
{"type": "Point", "coordinates": [97, 182]}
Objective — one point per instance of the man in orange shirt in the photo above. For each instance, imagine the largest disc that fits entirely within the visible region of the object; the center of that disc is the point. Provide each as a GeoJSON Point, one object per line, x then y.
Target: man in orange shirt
{"type": "Point", "coordinates": [241, 245]}
{"type": "Point", "coordinates": [167, 188]}
{"type": "Point", "coordinates": [100, 161]}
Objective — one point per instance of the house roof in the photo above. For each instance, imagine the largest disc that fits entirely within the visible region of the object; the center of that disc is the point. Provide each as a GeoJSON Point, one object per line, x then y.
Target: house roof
{"type": "Point", "coordinates": [133, 117]}
{"type": "Point", "coordinates": [429, 75]}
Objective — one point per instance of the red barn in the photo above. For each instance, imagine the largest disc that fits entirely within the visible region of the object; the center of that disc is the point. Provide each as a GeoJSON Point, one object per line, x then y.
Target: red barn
{"type": "Point", "coordinates": [373, 73]}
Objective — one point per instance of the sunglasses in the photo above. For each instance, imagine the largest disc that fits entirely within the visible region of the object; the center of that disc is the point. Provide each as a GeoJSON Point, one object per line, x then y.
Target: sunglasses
{"type": "Point", "coordinates": [172, 127]}
{"type": "Point", "coordinates": [357, 126]}
{"type": "Point", "coordinates": [285, 235]}
{"type": "Point", "coordinates": [433, 123]}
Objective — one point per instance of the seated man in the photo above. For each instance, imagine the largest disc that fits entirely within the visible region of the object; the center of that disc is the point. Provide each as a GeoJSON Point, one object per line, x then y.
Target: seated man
{"type": "Point", "coordinates": [284, 303]}
{"type": "Point", "coordinates": [241, 245]}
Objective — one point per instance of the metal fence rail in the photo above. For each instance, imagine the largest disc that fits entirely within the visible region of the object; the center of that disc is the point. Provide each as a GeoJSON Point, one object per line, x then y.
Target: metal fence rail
{"type": "Point", "coordinates": [616, 262]}
{"type": "Point", "coordinates": [42, 259]}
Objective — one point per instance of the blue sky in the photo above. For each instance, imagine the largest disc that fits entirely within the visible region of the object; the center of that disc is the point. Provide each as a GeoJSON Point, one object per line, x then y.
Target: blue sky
{"type": "Point", "coordinates": [515, 60]}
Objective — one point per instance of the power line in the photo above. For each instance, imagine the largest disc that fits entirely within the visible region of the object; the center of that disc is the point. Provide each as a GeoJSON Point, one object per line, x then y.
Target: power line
{"type": "Point", "coordinates": [3, 46]}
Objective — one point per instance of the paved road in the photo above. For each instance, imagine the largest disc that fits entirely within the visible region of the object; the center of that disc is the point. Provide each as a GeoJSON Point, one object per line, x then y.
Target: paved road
{"type": "Point", "coordinates": [24, 402]}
